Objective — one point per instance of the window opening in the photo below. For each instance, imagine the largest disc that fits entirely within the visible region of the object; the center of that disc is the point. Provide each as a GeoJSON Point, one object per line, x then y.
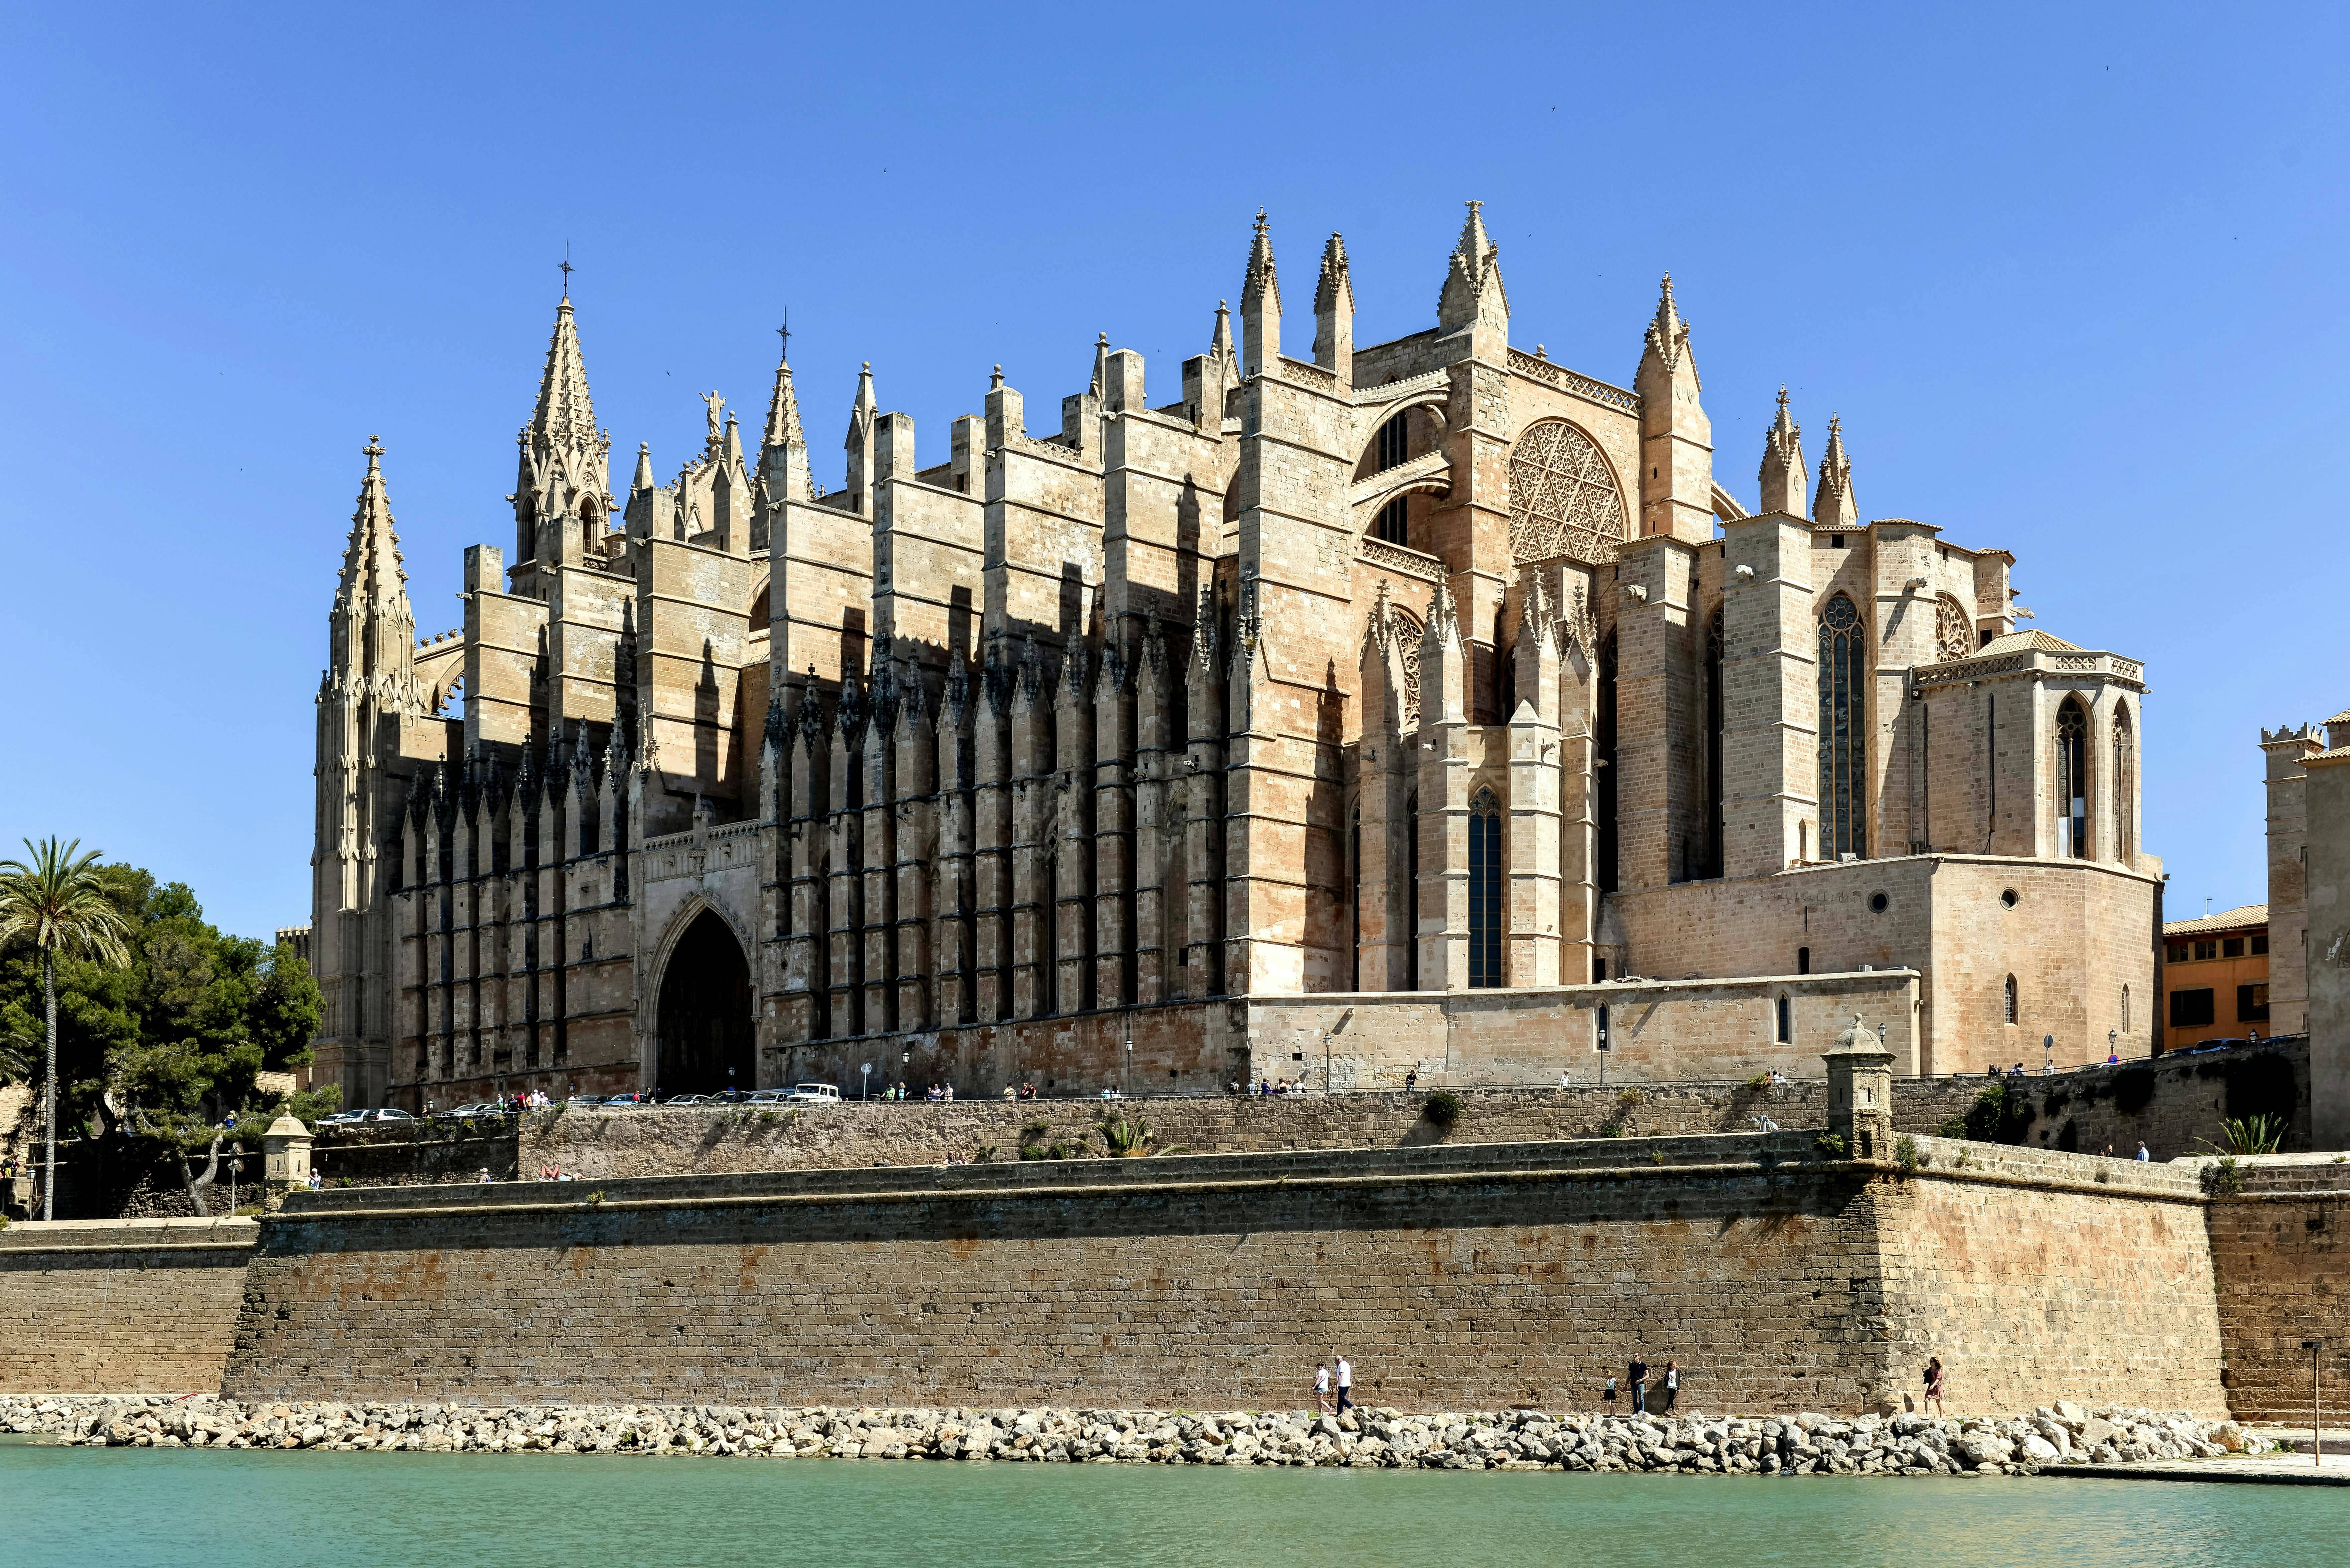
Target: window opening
{"type": "Point", "coordinates": [1786, 1021]}
{"type": "Point", "coordinates": [2008, 1004]}
{"type": "Point", "coordinates": [1485, 891]}
{"type": "Point", "coordinates": [1394, 441]}
{"type": "Point", "coordinates": [1843, 733]}
{"type": "Point", "coordinates": [1393, 521]}
{"type": "Point", "coordinates": [2071, 780]}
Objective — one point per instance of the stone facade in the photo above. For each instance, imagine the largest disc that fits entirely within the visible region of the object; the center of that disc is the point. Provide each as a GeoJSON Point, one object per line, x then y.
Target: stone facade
{"type": "Point", "coordinates": [2284, 1277]}
{"type": "Point", "coordinates": [1456, 1277]}
{"type": "Point", "coordinates": [1422, 668]}
{"type": "Point", "coordinates": [120, 1306]}
{"type": "Point", "coordinates": [2309, 907]}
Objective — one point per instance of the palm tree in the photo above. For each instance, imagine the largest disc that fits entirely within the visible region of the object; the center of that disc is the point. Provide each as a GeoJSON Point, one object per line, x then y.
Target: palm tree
{"type": "Point", "coordinates": [56, 902]}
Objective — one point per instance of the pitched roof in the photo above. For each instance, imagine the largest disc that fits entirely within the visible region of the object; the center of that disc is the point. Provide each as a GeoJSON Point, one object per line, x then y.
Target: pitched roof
{"type": "Point", "coordinates": [2225, 920]}
{"type": "Point", "coordinates": [2027, 642]}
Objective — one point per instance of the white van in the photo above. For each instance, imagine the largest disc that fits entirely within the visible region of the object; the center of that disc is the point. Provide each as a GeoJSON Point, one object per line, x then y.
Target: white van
{"type": "Point", "coordinates": [813, 1094]}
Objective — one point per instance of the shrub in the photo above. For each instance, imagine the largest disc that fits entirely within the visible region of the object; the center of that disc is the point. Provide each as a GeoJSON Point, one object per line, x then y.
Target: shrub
{"type": "Point", "coordinates": [1611, 1129]}
{"type": "Point", "coordinates": [1656, 1156]}
{"type": "Point", "coordinates": [1759, 1081]}
{"type": "Point", "coordinates": [1442, 1109]}
{"type": "Point", "coordinates": [1905, 1153]}
{"type": "Point", "coordinates": [1036, 1132]}
{"type": "Point", "coordinates": [2223, 1177]}
{"type": "Point", "coordinates": [2248, 1134]}
{"type": "Point", "coordinates": [1831, 1144]}
{"type": "Point", "coordinates": [1126, 1138]}
{"type": "Point", "coordinates": [984, 1155]}
{"type": "Point", "coordinates": [1999, 1116]}
{"type": "Point", "coordinates": [1955, 1128]}
{"type": "Point", "coordinates": [2133, 1089]}
{"type": "Point", "coordinates": [1630, 1100]}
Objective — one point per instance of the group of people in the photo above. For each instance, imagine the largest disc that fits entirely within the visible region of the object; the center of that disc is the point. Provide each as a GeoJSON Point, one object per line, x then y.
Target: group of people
{"type": "Point", "coordinates": [1267, 1087]}
{"type": "Point", "coordinates": [1669, 1388]}
{"type": "Point", "coordinates": [899, 1091]}
{"type": "Point", "coordinates": [1344, 1385]}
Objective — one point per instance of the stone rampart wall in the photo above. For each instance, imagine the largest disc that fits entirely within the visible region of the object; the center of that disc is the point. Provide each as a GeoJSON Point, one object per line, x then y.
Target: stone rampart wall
{"type": "Point", "coordinates": [2283, 1259]}
{"type": "Point", "coordinates": [1467, 1276]}
{"type": "Point", "coordinates": [120, 1306]}
{"type": "Point", "coordinates": [2185, 1099]}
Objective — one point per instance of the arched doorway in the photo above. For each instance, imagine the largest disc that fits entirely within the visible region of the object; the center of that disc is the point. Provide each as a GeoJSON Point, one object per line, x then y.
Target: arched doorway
{"type": "Point", "coordinates": [705, 1012]}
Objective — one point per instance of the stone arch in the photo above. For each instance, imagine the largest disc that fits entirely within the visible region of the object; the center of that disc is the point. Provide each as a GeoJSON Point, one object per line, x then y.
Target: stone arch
{"type": "Point", "coordinates": [1567, 499]}
{"type": "Point", "coordinates": [1954, 628]}
{"type": "Point", "coordinates": [703, 1030]}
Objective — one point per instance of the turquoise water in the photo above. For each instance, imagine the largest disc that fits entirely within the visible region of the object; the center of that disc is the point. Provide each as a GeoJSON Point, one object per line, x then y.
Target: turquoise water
{"type": "Point", "coordinates": [179, 1508]}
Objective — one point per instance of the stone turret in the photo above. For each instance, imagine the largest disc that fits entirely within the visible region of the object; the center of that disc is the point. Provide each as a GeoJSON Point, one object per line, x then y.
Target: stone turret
{"type": "Point", "coordinates": [562, 491]}
{"type": "Point", "coordinates": [1860, 1093]}
{"type": "Point", "coordinates": [1472, 298]}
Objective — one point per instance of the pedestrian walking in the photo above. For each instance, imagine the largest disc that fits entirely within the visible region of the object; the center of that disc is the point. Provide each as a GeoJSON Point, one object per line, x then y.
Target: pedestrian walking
{"type": "Point", "coordinates": [2141, 1149]}
{"type": "Point", "coordinates": [1345, 1385]}
{"type": "Point", "coordinates": [1322, 1386]}
{"type": "Point", "coordinates": [1672, 1385]}
{"type": "Point", "coordinates": [1934, 1384]}
{"type": "Point", "coordinates": [1410, 1079]}
{"type": "Point", "coordinates": [1638, 1376]}
{"type": "Point", "coordinates": [1608, 1395]}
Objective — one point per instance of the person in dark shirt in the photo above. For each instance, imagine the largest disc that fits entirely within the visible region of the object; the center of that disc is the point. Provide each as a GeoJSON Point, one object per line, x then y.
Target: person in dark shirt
{"type": "Point", "coordinates": [1638, 1376]}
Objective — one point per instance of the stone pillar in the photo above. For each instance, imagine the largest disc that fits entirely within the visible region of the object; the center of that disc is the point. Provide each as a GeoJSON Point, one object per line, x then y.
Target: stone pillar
{"type": "Point", "coordinates": [1154, 816]}
{"type": "Point", "coordinates": [1534, 789]}
{"type": "Point", "coordinates": [1860, 1093]}
{"type": "Point", "coordinates": [1657, 803]}
{"type": "Point", "coordinates": [1112, 828]}
{"type": "Point", "coordinates": [991, 840]}
{"type": "Point", "coordinates": [1442, 874]}
{"type": "Point", "coordinates": [916, 847]}
{"type": "Point", "coordinates": [1032, 767]}
{"type": "Point", "coordinates": [1383, 873]}
{"type": "Point", "coordinates": [1770, 696]}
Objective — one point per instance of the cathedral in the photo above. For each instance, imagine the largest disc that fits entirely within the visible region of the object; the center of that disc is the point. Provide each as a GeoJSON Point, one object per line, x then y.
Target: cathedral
{"type": "Point", "coordinates": [1363, 709]}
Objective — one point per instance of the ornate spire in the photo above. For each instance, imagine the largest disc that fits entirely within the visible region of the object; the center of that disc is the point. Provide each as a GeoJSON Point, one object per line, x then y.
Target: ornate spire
{"type": "Point", "coordinates": [861, 416]}
{"type": "Point", "coordinates": [1220, 341]}
{"type": "Point", "coordinates": [1782, 464]}
{"type": "Point", "coordinates": [1205, 630]}
{"type": "Point", "coordinates": [958, 693]}
{"type": "Point", "coordinates": [1334, 280]}
{"type": "Point", "coordinates": [1834, 504]}
{"type": "Point", "coordinates": [1101, 366]}
{"type": "Point", "coordinates": [371, 630]}
{"type": "Point", "coordinates": [1260, 281]}
{"type": "Point", "coordinates": [372, 569]}
{"type": "Point", "coordinates": [1668, 335]}
{"type": "Point", "coordinates": [783, 411]}
{"type": "Point", "coordinates": [778, 732]}
{"type": "Point", "coordinates": [811, 713]}
{"type": "Point", "coordinates": [565, 415]}
{"type": "Point", "coordinates": [1472, 291]}
{"type": "Point", "coordinates": [644, 481]}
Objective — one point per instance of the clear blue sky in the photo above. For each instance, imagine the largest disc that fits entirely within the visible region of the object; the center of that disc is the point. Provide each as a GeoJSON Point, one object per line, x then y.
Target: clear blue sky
{"type": "Point", "coordinates": [2075, 278]}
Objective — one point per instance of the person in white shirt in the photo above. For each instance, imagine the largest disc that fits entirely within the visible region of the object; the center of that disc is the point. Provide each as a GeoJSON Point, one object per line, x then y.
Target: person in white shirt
{"type": "Point", "coordinates": [1345, 1385]}
{"type": "Point", "coordinates": [2141, 1151]}
{"type": "Point", "coordinates": [1322, 1386]}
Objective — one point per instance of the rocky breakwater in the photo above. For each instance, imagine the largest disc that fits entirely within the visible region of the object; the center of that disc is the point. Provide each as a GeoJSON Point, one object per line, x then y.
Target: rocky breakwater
{"type": "Point", "coordinates": [1374, 1439]}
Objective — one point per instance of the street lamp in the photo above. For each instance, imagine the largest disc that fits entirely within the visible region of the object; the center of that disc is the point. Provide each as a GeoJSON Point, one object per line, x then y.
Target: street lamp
{"type": "Point", "coordinates": [865, 1087]}
{"type": "Point", "coordinates": [2048, 1061]}
{"type": "Point", "coordinates": [2316, 1415]}
{"type": "Point", "coordinates": [2112, 1044]}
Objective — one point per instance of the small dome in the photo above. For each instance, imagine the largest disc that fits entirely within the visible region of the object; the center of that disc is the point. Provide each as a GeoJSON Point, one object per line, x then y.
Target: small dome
{"type": "Point", "coordinates": [1859, 1037]}
{"type": "Point", "coordinates": [288, 1125]}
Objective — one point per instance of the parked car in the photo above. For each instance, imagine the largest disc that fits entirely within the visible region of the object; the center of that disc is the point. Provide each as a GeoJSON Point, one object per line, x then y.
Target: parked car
{"type": "Point", "coordinates": [382, 1114]}
{"type": "Point", "coordinates": [585, 1100]}
{"type": "Point", "coordinates": [691, 1100]}
{"type": "Point", "coordinates": [341, 1118]}
{"type": "Point", "coordinates": [814, 1095]}
{"type": "Point", "coordinates": [769, 1096]}
{"type": "Point", "coordinates": [627, 1102]}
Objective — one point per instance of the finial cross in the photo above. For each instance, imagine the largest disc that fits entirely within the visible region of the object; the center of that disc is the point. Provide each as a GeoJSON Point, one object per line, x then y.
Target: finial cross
{"type": "Point", "coordinates": [565, 267]}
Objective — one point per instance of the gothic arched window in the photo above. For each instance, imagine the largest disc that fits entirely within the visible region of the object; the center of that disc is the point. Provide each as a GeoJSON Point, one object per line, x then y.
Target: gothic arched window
{"type": "Point", "coordinates": [1603, 746]}
{"type": "Point", "coordinates": [1394, 521]}
{"type": "Point", "coordinates": [1844, 732]}
{"type": "Point", "coordinates": [2122, 784]}
{"type": "Point", "coordinates": [2071, 780]}
{"type": "Point", "coordinates": [2007, 1001]}
{"type": "Point", "coordinates": [1395, 440]}
{"type": "Point", "coordinates": [1786, 1020]}
{"type": "Point", "coordinates": [1485, 891]}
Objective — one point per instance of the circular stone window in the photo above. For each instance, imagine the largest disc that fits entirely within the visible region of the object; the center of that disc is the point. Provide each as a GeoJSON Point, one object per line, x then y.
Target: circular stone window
{"type": "Point", "coordinates": [2008, 898]}
{"type": "Point", "coordinates": [1877, 903]}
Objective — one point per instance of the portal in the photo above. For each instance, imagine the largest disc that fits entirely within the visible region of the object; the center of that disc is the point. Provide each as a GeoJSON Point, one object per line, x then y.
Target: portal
{"type": "Point", "coordinates": [705, 1012]}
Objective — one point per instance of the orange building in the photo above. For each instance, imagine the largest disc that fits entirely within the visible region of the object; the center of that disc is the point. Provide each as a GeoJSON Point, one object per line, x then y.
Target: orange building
{"type": "Point", "coordinates": [2215, 977]}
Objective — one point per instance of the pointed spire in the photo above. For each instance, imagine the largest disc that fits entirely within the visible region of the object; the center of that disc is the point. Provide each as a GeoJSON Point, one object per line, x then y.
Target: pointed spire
{"type": "Point", "coordinates": [958, 693]}
{"type": "Point", "coordinates": [1101, 367]}
{"type": "Point", "coordinates": [564, 415]}
{"type": "Point", "coordinates": [1260, 281]}
{"type": "Point", "coordinates": [1832, 505]}
{"type": "Point", "coordinates": [1220, 341]}
{"type": "Point", "coordinates": [644, 481]}
{"type": "Point", "coordinates": [811, 713]}
{"type": "Point", "coordinates": [1334, 280]}
{"type": "Point", "coordinates": [1472, 294]}
{"type": "Point", "coordinates": [777, 734]}
{"type": "Point", "coordinates": [861, 416]}
{"type": "Point", "coordinates": [371, 560]}
{"type": "Point", "coordinates": [783, 411]}
{"type": "Point", "coordinates": [1333, 313]}
{"type": "Point", "coordinates": [1443, 617]}
{"type": "Point", "coordinates": [1205, 629]}
{"type": "Point", "coordinates": [1668, 335]}
{"type": "Point", "coordinates": [1782, 474]}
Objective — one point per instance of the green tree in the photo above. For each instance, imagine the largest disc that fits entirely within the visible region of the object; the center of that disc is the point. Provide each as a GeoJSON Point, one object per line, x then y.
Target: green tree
{"type": "Point", "coordinates": [171, 1043]}
{"type": "Point", "coordinates": [55, 903]}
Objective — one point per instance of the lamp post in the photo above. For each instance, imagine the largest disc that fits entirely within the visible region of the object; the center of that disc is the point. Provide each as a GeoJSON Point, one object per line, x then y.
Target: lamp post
{"type": "Point", "coordinates": [2048, 1058]}
{"type": "Point", "coordinates": [1129, 1057]}
{"type": "Point", "coordinates": [864, 1085]}
{"type": "Point", "coordinates": [2317, 1411]}
{"type": "Point", "coordinates": [2112, 1044]}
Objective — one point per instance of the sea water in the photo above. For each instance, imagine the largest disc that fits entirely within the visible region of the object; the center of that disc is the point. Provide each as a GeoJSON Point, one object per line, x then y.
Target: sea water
{"type": "Point", "coordinates": [191, 1509]}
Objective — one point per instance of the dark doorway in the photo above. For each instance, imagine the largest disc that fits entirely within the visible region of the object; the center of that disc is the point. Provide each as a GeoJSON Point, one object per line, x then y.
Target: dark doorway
{"type": "Point", "coordinates": [705, 1012]}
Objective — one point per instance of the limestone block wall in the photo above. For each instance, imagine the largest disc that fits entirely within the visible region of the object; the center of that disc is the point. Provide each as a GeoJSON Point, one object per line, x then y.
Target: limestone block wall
{"type": "Point", "coordinates": [1453, 1277]}
{"type": "Point", "coordinates": [2039, 1276]}
{"type": "Point", "coordinates": [120, 1306]}
{"type": "Point", "coordinates": [2279, 1251]}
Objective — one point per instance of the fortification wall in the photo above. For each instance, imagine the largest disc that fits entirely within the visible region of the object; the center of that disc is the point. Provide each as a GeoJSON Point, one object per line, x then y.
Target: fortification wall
{"type": "Point", "coordinates": [2039, 1276]}
{"type": "Point", "coordinates": [2282, 1260]}
{"type": "Point", "coordinates": [120, 1306]}
{"type": "Point", "coordinates": [1455, 1277]}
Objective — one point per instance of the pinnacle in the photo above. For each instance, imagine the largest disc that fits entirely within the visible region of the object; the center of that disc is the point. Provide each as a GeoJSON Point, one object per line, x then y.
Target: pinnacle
{"type": "Point", "coordinates": [1261, 281]}
{"type": "Point", "coordinates": [1668, 335]}
{"type": "Point", "coordinates": [564, 415]}
{"type": "Point", "coordinates": [371, 563]}
{"type": "Point", "coordinates": [1334, 276]}
{"type": "Point", "coordinates": [1476, 247]}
